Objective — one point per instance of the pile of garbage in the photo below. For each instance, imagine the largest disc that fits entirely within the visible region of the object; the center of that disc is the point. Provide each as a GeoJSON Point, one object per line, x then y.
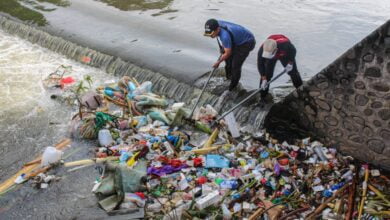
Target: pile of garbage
{"type": "Point", "coordinates": [161, 163]}
{"type": "Point", "coordinates": [156, 160]}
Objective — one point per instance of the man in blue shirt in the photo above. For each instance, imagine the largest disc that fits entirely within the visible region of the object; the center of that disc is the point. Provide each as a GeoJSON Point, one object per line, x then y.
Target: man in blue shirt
{"type": "Point", "coordinates": [236, 43]}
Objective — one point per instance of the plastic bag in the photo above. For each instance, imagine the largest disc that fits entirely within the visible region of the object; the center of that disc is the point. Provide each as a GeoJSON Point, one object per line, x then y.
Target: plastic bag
{"type": "Point", "coordinates": [150, 100]}
{"type": "Point", "coordinates": [105, 137]}
{"type": "Point", "coordinates": [129, 179]}
{"type": "Point", "coordinates": [145, 87]}
{"type": "Point", "coordinates": [50, 156]}
{"type": "Point", "coordinates": [216, 161]}
{"type": "Point", "coordinates": [157, 114]}
{"type": "Point", "coordinates": [91, 100]}
{"type": "Point", "coordinates": [141, 121]}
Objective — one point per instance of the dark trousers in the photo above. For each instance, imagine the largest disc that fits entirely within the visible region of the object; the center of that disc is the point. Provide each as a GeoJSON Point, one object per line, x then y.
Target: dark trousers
{"type": "Point", "coordinates": [235, 61]}
{"type": "Point", "coordinates": [270, 67]}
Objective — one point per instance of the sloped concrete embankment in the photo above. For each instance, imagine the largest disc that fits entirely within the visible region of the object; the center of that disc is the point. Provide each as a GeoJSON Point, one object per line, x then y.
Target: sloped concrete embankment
{"type": "Point", "coordinates": [171, 88]}
{"type": "Point", "coordinates": [347, 104]}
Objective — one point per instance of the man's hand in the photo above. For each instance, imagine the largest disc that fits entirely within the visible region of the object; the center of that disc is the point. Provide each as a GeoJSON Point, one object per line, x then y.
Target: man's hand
{"type": "Point", "coordinates": [289, 67]}
{"type": "Point", "coordinates": [216, 65]}
{"type": "Point", "coordinates": [263, 85]}
{"type": "Point", "coordinates": [226, 94]}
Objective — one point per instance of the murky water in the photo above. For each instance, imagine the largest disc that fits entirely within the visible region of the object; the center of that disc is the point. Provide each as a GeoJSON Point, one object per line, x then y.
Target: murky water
{"type": "Point", "coordinates": [29, 119]}
{"type": "Point", "coordinates": [170, 40]}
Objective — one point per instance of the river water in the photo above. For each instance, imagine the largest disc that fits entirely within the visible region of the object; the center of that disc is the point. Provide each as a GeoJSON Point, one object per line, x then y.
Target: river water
{"type": "Point", "coordinates": [30, 121]}
{"type": "Point", "coordinates": [170, 40]}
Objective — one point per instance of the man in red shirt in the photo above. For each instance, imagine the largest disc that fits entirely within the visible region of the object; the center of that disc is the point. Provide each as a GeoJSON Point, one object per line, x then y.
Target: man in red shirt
{"type": "Point", "coordinates": [277, 47]}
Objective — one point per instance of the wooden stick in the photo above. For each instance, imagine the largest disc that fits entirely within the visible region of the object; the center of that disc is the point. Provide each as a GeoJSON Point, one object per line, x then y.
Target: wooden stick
{"type": "Point", "coordinates": [89, 161]}
{"type": "Point", "coordinates": [59, 146]}
{"type": "Point", "coordinates": [319, 209]}
{"type": "Point", "coordinates": [256, 214]}
{"type": "Point", "coordinates": [35, 173]}
{"type": "Point", "coordinates": [294, 212]}
{"type": "Point", "coordinates": [28, 169]}
{"type": "Point", "coordinates": [205, 150]}
{"type": "Point", "coordinates": [211, 139]}
{"type": "Point", "coordinates": [363, 199]}
{"type": "Point", "coordinates": [38, 160]}
{"type": "Point", "coordinates": [351, 197]}
{"type": "Point", "coordinates": [378, 193]}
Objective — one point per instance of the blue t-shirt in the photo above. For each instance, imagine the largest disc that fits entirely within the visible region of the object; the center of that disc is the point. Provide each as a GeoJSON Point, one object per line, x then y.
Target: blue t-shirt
{"type": "Point", "coordinates": [240, 34]}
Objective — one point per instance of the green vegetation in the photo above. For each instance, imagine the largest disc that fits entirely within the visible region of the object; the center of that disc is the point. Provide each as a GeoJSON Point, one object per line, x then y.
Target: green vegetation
{"type": "Point", "coordinates": [128, 5]}
{"type": "Point", "coordinates": [15, 9]}
{"type": "Point", "coordinates": [20, 9]}
{"type": "Point", "coordinates": [61, 3]}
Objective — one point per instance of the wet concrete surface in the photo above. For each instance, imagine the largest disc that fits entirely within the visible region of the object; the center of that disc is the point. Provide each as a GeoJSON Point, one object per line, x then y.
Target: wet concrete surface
{"type": "Point", "coordinates": [173, 44]}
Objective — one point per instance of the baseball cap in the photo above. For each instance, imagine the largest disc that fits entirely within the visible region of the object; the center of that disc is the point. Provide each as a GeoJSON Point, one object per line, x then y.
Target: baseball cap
{"type": "Point", "coordinates": [210, 26]}
{"type": "Point", "coordinates": [269, 48]}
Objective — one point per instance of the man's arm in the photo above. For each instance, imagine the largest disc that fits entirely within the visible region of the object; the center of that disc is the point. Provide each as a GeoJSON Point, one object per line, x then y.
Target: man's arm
{"type": "Point", "coordinates": [225, 56]}
{"type": "Point", "coordinates": [260, 63]}
{"type": "Point", "coordinates": [227, 46]}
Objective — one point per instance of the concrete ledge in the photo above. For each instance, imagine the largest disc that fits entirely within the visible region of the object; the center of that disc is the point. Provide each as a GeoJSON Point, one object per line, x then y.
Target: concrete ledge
{"type": "Point", "coordinates": [347, 104]}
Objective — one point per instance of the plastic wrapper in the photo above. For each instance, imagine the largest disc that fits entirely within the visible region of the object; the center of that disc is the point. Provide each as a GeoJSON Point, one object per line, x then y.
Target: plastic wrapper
{"type": "Point", "coordinates": [147, 100]}
{"type": "Point", "coordinates": [157, 114]}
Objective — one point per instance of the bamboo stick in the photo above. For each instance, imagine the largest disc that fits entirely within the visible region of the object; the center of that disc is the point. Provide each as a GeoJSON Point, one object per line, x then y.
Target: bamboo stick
{"type": "Point", "coordinates": [379, 194]}
{"type": "Point", "coordinates": [256, 214]}
{"type": "Point", "coordinates": [319, 209]}
{"type": "Point", "coordinates": [352, 196]}
{"type": "Point", "coordinates": [59, 146]}
{"type": "Point", "coordinates": [363, 199]}
{"type": "Point", "coordinates": [89, 161]}
{"type": "Point", "coordinates": [29, 168]}
{"type": "Point", "coordinates": [211, 139]}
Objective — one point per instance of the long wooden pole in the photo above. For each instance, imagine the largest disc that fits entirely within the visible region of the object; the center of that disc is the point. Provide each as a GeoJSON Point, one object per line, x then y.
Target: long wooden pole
{"type": "Point", "coordinates": [319, 209]}
{"type": "Point", "coordinates": [365, 183]}
{"type": "Point", "coordinates": [28, 169]}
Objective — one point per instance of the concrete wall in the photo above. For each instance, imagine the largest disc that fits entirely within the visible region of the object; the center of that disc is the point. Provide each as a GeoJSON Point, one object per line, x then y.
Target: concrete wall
{"type": "Point", "coordinates": [346, 105]}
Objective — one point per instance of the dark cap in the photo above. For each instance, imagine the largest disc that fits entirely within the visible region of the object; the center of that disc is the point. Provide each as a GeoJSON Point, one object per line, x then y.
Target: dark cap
{"type": "Point", "coordinates": [210, 26]}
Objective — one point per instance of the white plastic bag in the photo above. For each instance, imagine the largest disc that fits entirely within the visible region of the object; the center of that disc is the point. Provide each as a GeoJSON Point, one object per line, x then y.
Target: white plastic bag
{"type": "Point", "coordinates": [145, 87]}
{"type": "Point", "coordinates": [105, 137]}
{"type": "Point", "coordinates": [51, 155]}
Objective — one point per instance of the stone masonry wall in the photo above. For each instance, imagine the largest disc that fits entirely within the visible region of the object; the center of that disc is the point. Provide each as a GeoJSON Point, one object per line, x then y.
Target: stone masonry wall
{"type": "Point", "coordinates": [346, 105]}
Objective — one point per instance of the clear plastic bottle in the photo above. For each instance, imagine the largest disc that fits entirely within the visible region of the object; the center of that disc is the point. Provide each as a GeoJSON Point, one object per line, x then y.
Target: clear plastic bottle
{"type": "Point", "coordinates": [105, 137]}
{"type": "Point", "coordinates": [227, 215]}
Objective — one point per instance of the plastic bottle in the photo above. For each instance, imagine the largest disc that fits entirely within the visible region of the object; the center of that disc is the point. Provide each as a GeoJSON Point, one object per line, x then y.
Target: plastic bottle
{"type": "Point", "coordinates": [124, 157]}
{"type": "Point", "coordinates": [132, 86]}
{"type": "Point", "coordinates": [105, 137]}
{"type": "Point", "coordinates": [227, 215]}
{"type": "Point", "coordinates": [320, 153]}
{"type": "Point", "coordinates": [108, 92]}
{"type": "Point", "coordinates": [112, 93]}
{"type": "Point", "coordinates": [348, 175]}
{"type": "Point", "coordinates": [51, 155]}
{"type": "Point", "coordinates": [229, 184]}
